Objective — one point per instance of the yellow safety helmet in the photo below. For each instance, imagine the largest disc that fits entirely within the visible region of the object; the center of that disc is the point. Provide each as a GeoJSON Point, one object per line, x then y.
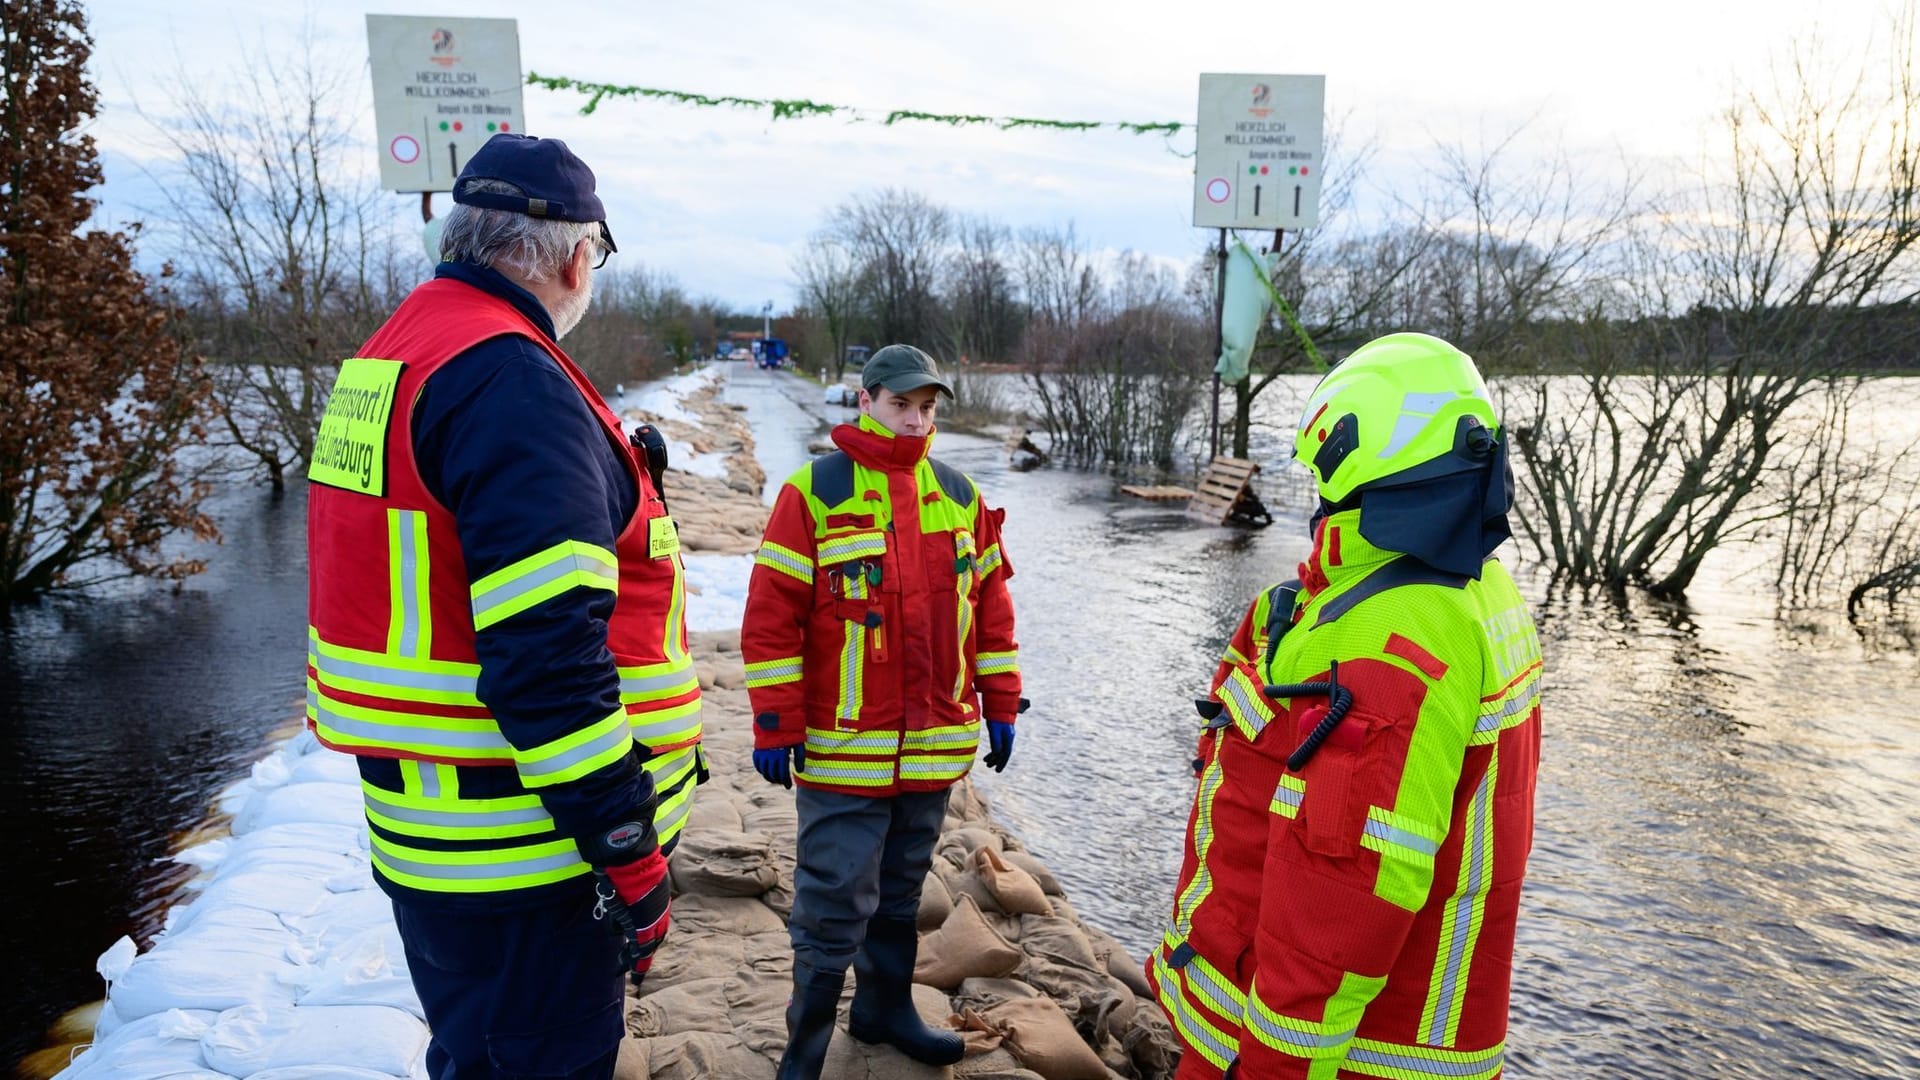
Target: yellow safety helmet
{"type": "Point", "coordinates": [1401, 409]}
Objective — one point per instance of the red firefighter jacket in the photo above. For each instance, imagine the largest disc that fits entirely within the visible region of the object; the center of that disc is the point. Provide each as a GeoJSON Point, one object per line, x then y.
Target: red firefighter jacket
{"type": "Point", "coordinates": [393, 670]}
{"type": "Point", "coordinates": [878, 628]}
{"type": "Point", "coordinates": [1356, 917]}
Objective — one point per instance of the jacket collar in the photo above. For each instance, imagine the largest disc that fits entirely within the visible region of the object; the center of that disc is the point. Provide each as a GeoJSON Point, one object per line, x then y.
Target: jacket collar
{"type": "Point", "coordinates": [489, 280]}
{"type": "Point", "coordinates": [872, 445]}
{"type": "Point", "coordinates": [1340, 554]}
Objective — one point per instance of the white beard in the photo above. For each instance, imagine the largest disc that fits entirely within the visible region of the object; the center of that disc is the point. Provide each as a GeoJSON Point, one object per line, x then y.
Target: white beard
{"type": "Point", "coordinates": [568, 312]}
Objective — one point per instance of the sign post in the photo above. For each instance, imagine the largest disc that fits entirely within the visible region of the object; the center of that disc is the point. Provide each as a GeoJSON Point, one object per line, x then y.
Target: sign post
{"type": "Point", "coordinates": [441, 88]}
{"type": "Point", "coordinates": [1256, 166]}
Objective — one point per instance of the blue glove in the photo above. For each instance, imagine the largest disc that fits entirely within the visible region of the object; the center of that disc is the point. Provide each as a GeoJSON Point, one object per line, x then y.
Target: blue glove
{"type": "Point", "coordinates": [999, 744]}
{"type": "Point", "coordinates": [772, 764]}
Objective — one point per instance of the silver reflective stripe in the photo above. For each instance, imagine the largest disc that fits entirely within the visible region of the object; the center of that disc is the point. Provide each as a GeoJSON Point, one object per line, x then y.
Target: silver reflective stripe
{"type": "Point", "coordinates": [872, 742]}
{"type": "Point", "coordinates": [429, 779]}
{"type": "Point", "coordinates": [409, 644]}
{"type": "Point", "coordinates": [409, 736]}
{"type": "Point", "coordinates": [559, 860]}
{"type": "Point", "coordinates": [1421, 1066]}
{"type": "Point", "coordinates": [1521, 701]}
{"type": "Point", "coordinates": [1460, 926]}
{"type": "Point", "coordinates": [454, 819]}
{"type": "Point", "coordinates": [1196, 1028]}
{"type": "Point", "coordinates": [1246, 711]}
{"type": "Point", "coordinates": [927, 740]}
{"type": "Point", "coordinates": [412, 680]}
{"type": "Point", "coordinates": [654, 729]}
{"type": "Point", "coordinates": [643, 684]}
{"type": "Point", "coordinates": [1305, 1040]}
{"type": "Point", "coordinates": [1380, 830]}
{"type": "Point", "coordinates": [930, 770]}
{"type": "Point", "coordinates": [561, 762]}
{"type": "Point", "coordinates": [833, 769]}
{"type": "Point", "coordinates": [1289, 797]}
{"type": "Point", "coordinates": [564, 567]}
{"type": "Point", "coordinates": [1219, 994]}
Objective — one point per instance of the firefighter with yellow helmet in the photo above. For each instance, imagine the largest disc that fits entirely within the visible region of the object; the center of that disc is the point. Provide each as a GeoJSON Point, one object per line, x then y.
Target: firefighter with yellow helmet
{"type": "Point", "coordinates": [1364, 811]}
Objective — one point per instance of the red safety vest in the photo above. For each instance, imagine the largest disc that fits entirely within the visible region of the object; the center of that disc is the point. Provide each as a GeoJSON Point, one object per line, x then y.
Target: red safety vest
{"type": "Point", "coordinates": [391, 666]}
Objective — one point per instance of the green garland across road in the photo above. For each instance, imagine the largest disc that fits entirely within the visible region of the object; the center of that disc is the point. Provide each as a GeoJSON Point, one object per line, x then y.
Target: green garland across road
{"type": "Point", "coordinates": [795, 108]}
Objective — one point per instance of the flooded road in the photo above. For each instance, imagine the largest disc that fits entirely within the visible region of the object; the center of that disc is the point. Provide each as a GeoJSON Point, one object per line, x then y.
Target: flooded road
{"type": "Point", "coordinates": [1725, 882]}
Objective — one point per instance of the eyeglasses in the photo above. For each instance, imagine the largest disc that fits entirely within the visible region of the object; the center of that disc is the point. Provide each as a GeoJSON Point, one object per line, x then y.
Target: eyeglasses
{"type": "Point", "coordinates": [605, 242]}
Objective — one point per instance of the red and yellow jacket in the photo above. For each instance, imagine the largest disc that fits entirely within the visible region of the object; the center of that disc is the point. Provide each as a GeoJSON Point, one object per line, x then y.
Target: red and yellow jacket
{"type": "Point", "coordinates": [1356, 918]}
{"type": "Point", "coordinates": [878, 628]}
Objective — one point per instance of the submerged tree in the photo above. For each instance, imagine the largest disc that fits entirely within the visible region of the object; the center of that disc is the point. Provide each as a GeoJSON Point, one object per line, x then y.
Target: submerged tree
{"type": "Point", "coordinates": [97, 389]}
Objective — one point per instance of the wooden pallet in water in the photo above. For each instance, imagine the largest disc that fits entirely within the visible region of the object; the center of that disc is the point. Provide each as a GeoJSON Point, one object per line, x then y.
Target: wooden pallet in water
{"type": "Point", "coordinates": [1228, 481]}
{"type": "Point", "coordinates": [1156, 492]}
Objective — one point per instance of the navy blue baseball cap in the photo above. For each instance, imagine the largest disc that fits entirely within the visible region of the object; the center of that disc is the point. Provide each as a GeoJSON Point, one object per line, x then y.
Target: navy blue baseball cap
{"type": "Point", "coordinates": [558, 185]}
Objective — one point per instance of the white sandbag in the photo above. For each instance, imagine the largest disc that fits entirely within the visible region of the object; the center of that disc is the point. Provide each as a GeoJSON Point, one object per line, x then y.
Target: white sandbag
{"type": "Point", "coordinates": [321, 1072]}
{"type": "Point", "coordinates": [378, 1039]}
{"type": "Point", "coordinates": [277, 891]}
{"type": "Point", "coordinates": [327, 766]}
{"type": "Point", "coordinates": [307, 803]}
{"type": "Point", "coordinates": [342, 917]}
{"type": "Point", "coordinates": [369, 969]}
{"type": "Point", "coordinates": [345, 839]}
{"type": "Point", "coordinates": [119, 956]}
{"type": "Point", "coordinates": [164, 1044]}
{"type": "Point", "coordinates": [204, 856]}
{"type": "Point", "coordinates": [182, 917]}
{"type": "Point", "coordinates": [203, 976]}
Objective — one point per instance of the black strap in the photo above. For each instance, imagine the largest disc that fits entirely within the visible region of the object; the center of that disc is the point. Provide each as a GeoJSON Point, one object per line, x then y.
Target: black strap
{"type": "Point", "coordinates": [1401, 571]}
{"type": "Point", "coordinates": [1280, 600]}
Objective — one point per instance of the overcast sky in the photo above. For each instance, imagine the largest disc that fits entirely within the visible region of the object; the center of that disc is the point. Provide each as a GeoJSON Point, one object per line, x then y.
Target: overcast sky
{"type": "Point", "coordinates": [722, 199]}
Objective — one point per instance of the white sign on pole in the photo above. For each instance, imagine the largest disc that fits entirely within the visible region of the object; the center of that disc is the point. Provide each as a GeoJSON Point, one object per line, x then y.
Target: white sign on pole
{"type": "Point", "coordinates": [1257, 164]}
{"type": "Point", "coordinates": [441, 88]}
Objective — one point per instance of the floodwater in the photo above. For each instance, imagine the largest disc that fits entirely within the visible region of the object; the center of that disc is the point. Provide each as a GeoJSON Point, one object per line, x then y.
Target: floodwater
{"type": "Point", "coordinates": [1725, 880]}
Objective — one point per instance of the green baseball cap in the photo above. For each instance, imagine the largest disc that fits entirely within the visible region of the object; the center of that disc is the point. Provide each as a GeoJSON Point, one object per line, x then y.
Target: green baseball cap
{"type": "Point", "coordinates": [901, 368]}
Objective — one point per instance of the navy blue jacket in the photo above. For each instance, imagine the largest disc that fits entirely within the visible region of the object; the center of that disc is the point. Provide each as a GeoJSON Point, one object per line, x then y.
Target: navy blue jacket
{"type": "Point", "coordinates": [504, 441]}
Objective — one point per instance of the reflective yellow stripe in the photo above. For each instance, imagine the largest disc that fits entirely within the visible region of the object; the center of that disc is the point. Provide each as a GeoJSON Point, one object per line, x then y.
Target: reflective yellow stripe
{"type": "Point", "coordinates": [541, 576]}
{"type": "Point", "coordinates": [773, 672]}
{"type": "Point", "coordinates": [1321, 1041]}
{"type": "Point", "coordinates": [935, 768]}
{"type": "Point", "coordinates": [963, 623]}
{"type": "Point", "coordinates": [359, 671]}
{"type": "Point", "coordinates": [997, 663]}
{"type": "Point", "coordinates": [952, 737]}
{"type": "Point", "coordinates": [409, 612]}
{"type": "Point", "coordinates": [477, 871]}
{"type": "Point", "coordinates": [1508, 710]}
{"type": "Point", "coordinates": [1245, 702]}
{"type": "Point", "coordinates": [656, 682]}
{"type": "Point", "coordinates": [840, 549]}
{"type": "Point", "coordinates": [670, 810]}
{"type": "Point", "coordinates": [848, 774]}
{"type": "Point", "coordinates": [1288, 796]}
{"type": "Point", "coordinates": [1196, 1029]}
{"type": "Point", "coordinates": [1398, 1061]}
{"type": "Point", "coordinates": [990, 560]}
{"type": "Point", "coordinates": [455, 818]}
{"type": "Point", "coordinates": [786, 560]}
{"type": "Point", "coordinates": [823, 743]}
{"type": "Point", "coordinates": [852, 659]}
{"type": "Point", "coordinates": [668, 726]}
{"type": "Point", "coordinates": [358, 726]}
{"type": "Point", "coordinates": [576, 753]}
{"type": "Point", "coordinates": [1196, 891]}
{"type": "Point", "coordinates": [1407, 847]}
{"type": "Point", "coordinates": [1461, 917]}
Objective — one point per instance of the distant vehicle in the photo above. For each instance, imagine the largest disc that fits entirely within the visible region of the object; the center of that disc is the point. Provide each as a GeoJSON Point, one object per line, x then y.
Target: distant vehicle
{"type": "Point", "coordinates": [740, 353]}
{"type": "Point", "coordinates": [857, 356]}
{"type": "Point", "coordinates": [772, 352]}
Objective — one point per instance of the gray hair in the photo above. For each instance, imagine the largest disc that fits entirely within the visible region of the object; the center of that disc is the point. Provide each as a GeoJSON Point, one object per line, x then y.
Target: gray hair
{"type": "Point", "coordinates": [534, 249]}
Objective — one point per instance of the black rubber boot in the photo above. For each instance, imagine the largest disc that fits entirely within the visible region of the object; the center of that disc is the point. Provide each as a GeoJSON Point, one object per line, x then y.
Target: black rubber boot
{"type": "Point", "coordinates": [810, 1016]}
{"type": "Point", "coordinates": [883, 1009]}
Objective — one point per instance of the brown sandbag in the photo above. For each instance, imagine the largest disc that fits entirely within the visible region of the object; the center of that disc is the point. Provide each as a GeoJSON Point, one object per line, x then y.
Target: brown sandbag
{"type": "Point", "coordinates": [935, 903]}
{"type": "Point", "coordinates": [963, 947]}
{"type": "Point", "coordinates": [1017, 891]}
{"type": "Point", "coordinates": [708, 862]}
{"type": "Point", "coordinates": [1119, 963]}
{"type": "Point", "coordinates": [1044, 1040]}
{"type": "Point", "coordinates": [695, 1005]}
{"type": "Point", "coordinates": [1025, 861]}
{"type": "Point", "coordinates": [703, 1055]}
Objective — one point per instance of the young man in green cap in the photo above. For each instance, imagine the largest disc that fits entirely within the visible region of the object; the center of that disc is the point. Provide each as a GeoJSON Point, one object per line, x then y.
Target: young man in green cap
{"type": "Point", "coordinates": [878, 639]}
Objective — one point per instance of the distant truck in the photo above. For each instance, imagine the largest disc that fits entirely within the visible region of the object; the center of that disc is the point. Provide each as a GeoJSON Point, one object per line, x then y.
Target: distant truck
{"type": "Point", "coordinates": [771, 352]}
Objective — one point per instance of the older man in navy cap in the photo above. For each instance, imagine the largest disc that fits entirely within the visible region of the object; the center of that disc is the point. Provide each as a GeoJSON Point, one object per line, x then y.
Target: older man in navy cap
{"type": "Point", "coordinates": [527, 748]}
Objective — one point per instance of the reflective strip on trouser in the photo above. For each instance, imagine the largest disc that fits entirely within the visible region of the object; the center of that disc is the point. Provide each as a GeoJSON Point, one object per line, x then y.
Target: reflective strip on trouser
{"type": "Point", "coordinates": [1182, 993]}
{"type": "Point", "coordinates": [1507, 709]}
{"type": "Point", "coordinates": [496, 870]}
{"type": "Point", "coordinates": [785, 560]}
{"type": "Point", "coordinates": [673, 784]}
{"type": "Point", "coordinates": [773, 672]}
{"type": "Point", "coordinates": [566, 565]}
{"type": "Point", "coordinates": [851, 758]}
{"type": "Point", "coordinates": [455, 818]}
{"type": "Point", "coordinates": [1396, 1061]}
{"type": "Point", "coordinates": [1287, 797]}
{"type": "Point", "coordinates": [997, 663]}
{"type": "Point", "coordinates": [1189, 898]}
{"type": "Point", "coordinates": [1461, 917]}
{"type": "Point", "coordinates": [942, 753]}
{"type": "Point", "coordinates": [1316, 1040]}
{"type": "Point", "coordinates": [409, 611]}
{"type": "Point", "coordinates": [1245, 702]}
{"type": "Point", "coordinates": [1406, 848]}
{"type": "Point", "coordinates": [853, 659]}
